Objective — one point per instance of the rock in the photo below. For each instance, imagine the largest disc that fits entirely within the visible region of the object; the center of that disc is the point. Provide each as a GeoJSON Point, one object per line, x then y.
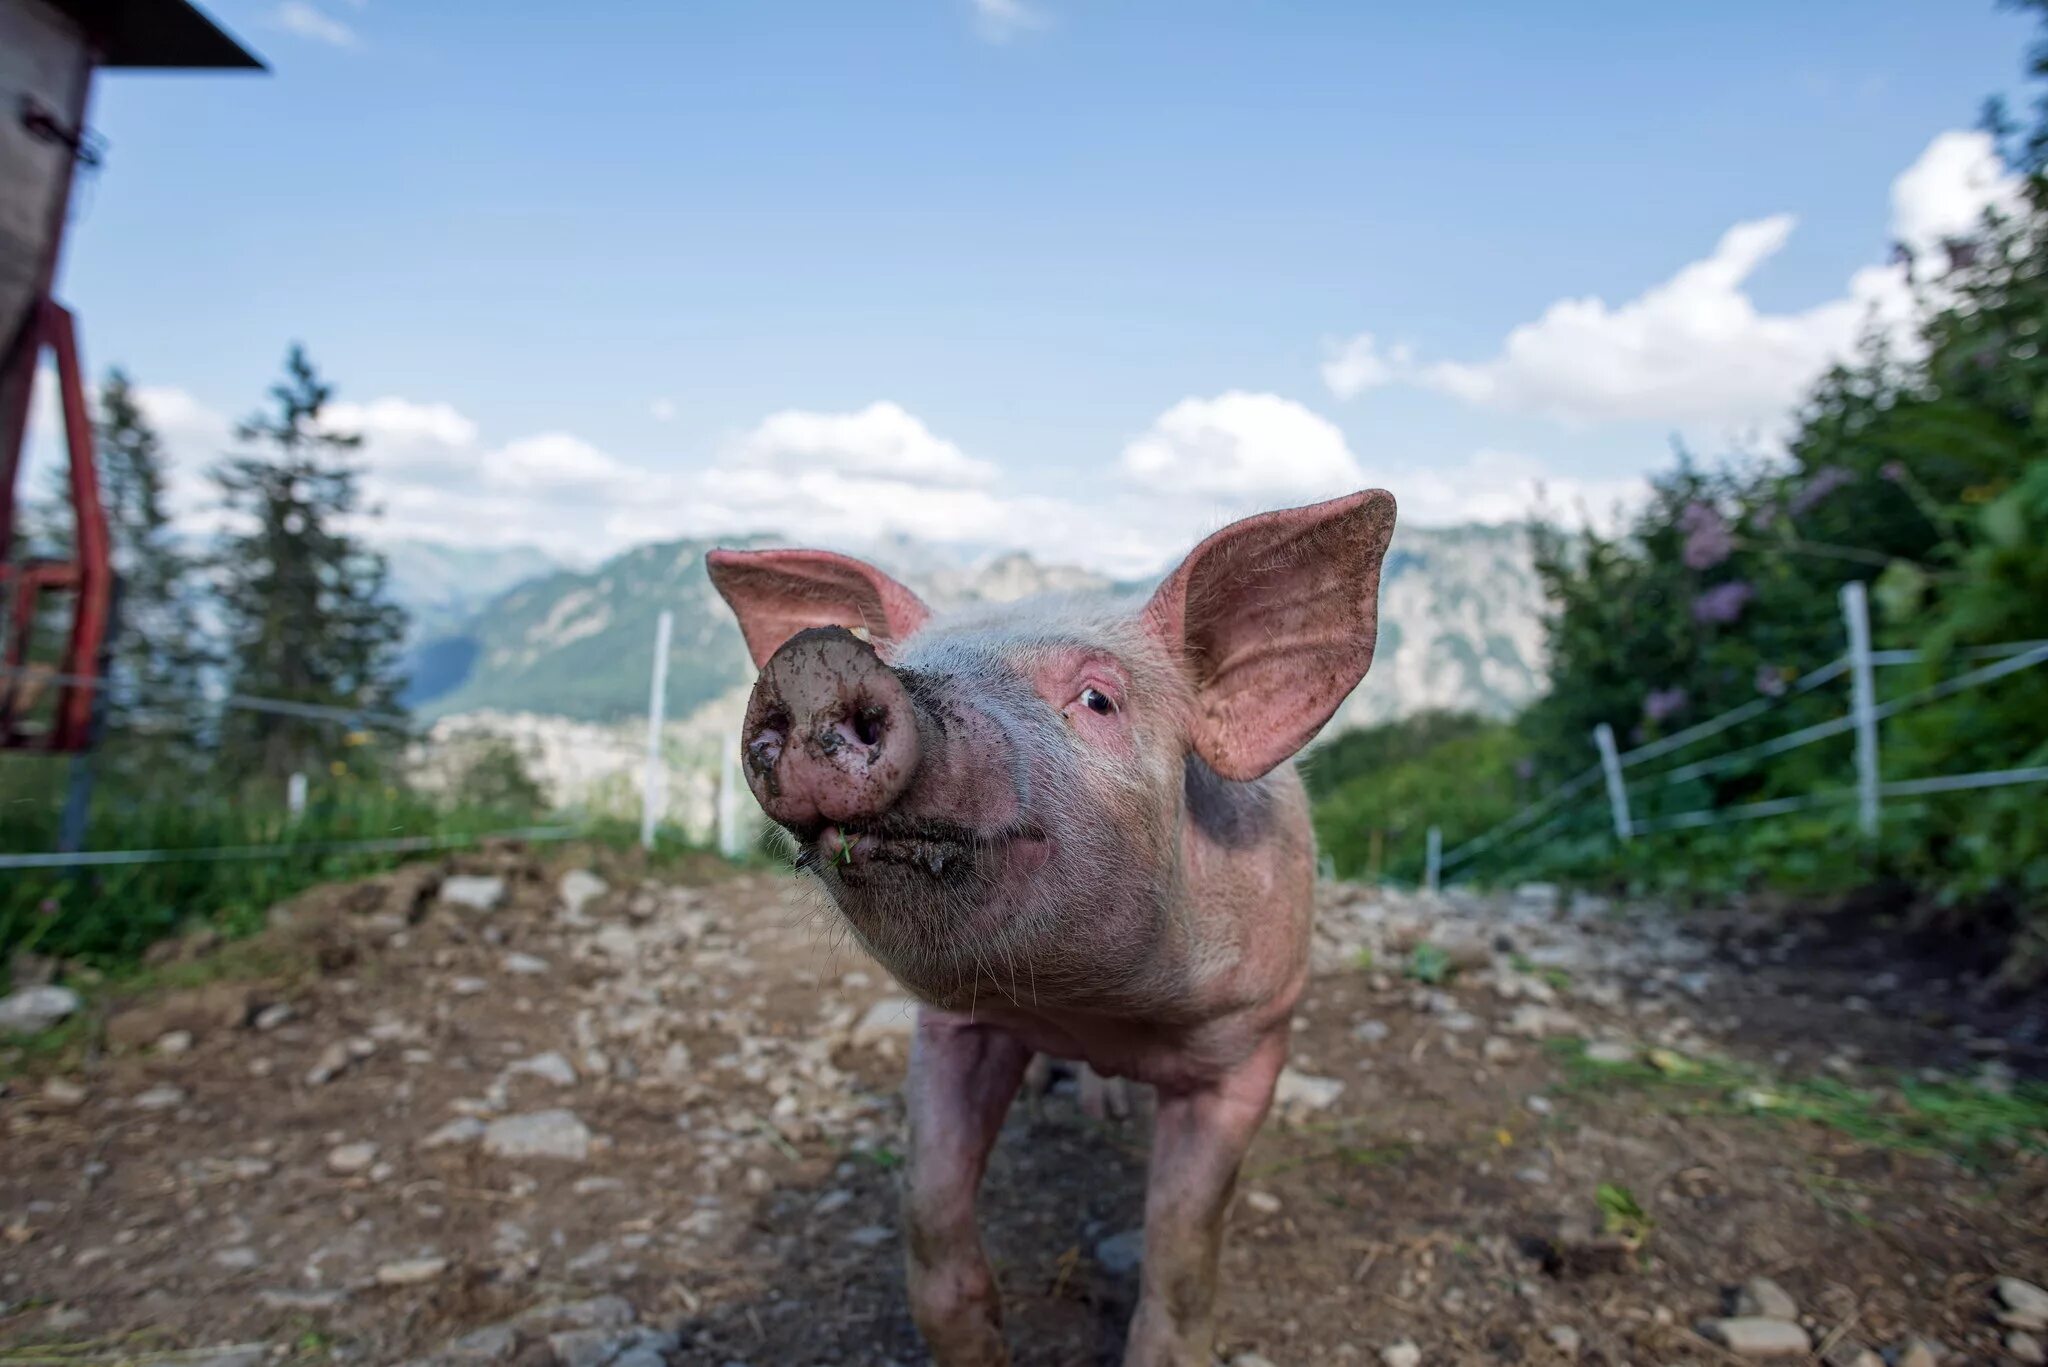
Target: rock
{"type": "Point", "coordinates": [2026, 1305]}
{"type": "Point", "coordinates": [1920, 1353]}
{"type": "Point", "coordinates": [468, 987]}
{"type": "Point", "coordinates": [476, 893]}
{"type": "Point", "coordinates": [492, 1343]}
{"type": "Point", "coordinates": [240, 1258]}
{"type": "Point", "coordinates": [1762, 1298]}
{"type": "Point", "coordinates": [1751, 1337]}
{"type": "Point", "coordinates": [309, 1302]}
{"type": "Point", "coordinates": [465, 1129]}
{"type": "Point", "coordinates": [1401, 1354]}
{"type": "Point", "coordinates": [599, 1312]}
{"type": "Point", "coordinates": [579, 887]}
{"type": "Point", "coordinates": [2026, 1348]}
{"type": "Point", "coordinates": [349, 1159]}
{"type": "Point", "coordinates": [333, 1061]}
{"type": "Point", "coordinates": [272, 1016]}
{"type": "Point", "coordinates": [411, 1271]}
{"type": "Point", "coordinates": [548, 1067]}
{"type": "Point", "coordinates": [525, 965]}
{"type": "Point", "coordinates": [35, 1009]}
{"type": "Point", "coordinates": [159, 1099]}
{"type": "Point", "coordinates": [1849, 1353]}
{"type": "Point", "coordinates": [870, 1236]}
{"type": "Point", "coordinates": [889, 1018]}
{"type": "Point", "coordinates": [1264, 1202]}
{"type": "Point", "coordinates": [1612, 1052]}
{"type": "Point", "coordinates": [63, 1092]}
{"type": "Point", "coordinates": [836, 1199]}
{"type": "Point", "coordinates": [1565, 1339]}
{"type": "Point", "coordinates": [1300, 1091]}
{"type": "Point", "coordinates": [558, 1134]}
{"type": "Point", "coordinates": [174, 1042]}
{"type": "Point", "coordinates": [1533, 1020]}
{"type": "Point", "coordinates": [1370, 1032]}
{"type": "Point", "coordinates": [1251, 1360]}
{"type": "Point", "coordinates": [1120, 1254]}
{"type": "Point", "coordinates": [1498, 1050]}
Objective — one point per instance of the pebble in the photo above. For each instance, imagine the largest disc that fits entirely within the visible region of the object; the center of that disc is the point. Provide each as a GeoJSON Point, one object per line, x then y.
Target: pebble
{"type": "Point", "coordinates": [1762, 1298]}
{"type": "Point", "coordinates": [868, 1236]}
{"type": "Point", "coordinates": [578, 888]}
{"type": "Point", "coordinates": [465, 1129]}
{"type": "Point", "coordinates": [1370, 1032]}
{"type": "Point", "coordinates": [1752, 1337]}
{"type": "Point", "coordinates": [889, 1018]}
{"type": "Point", "coordinates": [1611, 1052]}
{"type": "Point", "coordinates": [2026, 1305]}
{"type": "Point", "coordinates": [1121, 1253]}
{"type": "Point", "coordinates": [835, 1199]}
{"type": "Point", "coordinates": [35, 1009]}
{"type": "Point", "coordinates": [159, 1099]}
{"type": "Point", "coordinates": [349, 1159]}
{"type": "Point", "coordinates": [294, 1299]}
{"type": "Point", "coordinates": [333, 1061]}
{"type": "Point", "coordinates": [559, 1134]}
{"type": "Point", "coordinates": [1920, 1353]}
{"type": "Point", "coordinates": [62, 1091]}
{"type": "Point", "coordinates": [476, 893]}
{"type": "Point", "coordinates": [241, 1258]}
{"type": "Point", "coordinates": [1401, 1354]}
{"type": "Point", "coordinates": [1264, 1202]}
{"type": "Point", "coordinates": [548, 1067]}
{"type": "Point", "coordinates": [174, 1042]}
{"type": "Point", "coordinates": [1251, 1360]}
{"type": "Point", "coordinates": [1498, 1050]}
{"type": "Point", "coordinates": [411, 1271]}
{"type": "Point", "coordinates": [2026, 1347]}
{"type": "Point", "coordinates": [1299, 1091]}
{"type": "Point", "coordinates": [468, 987]}
{"type": "Point", "coordinates": [525, 965]}
{"type": "Point", "coordinates": [1565, 1339]}
{"type": "Point", "coordinates": [272, 1016]}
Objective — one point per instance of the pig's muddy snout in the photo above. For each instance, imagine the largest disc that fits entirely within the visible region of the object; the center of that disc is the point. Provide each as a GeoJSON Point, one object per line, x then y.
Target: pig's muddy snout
{"type": "Point", "coordinates": [830, 739]}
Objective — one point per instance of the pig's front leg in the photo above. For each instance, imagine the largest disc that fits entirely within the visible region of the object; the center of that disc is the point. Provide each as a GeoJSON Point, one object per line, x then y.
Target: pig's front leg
{"type": "Point", "coordinates": [1198, 1140]}
{"type": "Point", "coordinates": [962, 1079]}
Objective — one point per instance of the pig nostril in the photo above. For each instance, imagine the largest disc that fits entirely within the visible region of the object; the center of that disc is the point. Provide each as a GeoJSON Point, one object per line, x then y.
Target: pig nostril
{"type": "Point", "coordinates": [869, 725]}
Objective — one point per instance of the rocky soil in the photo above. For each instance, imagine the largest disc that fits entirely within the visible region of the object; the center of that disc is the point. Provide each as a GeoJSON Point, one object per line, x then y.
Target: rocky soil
{"type": "Point", "coordinates": [498, 1111]}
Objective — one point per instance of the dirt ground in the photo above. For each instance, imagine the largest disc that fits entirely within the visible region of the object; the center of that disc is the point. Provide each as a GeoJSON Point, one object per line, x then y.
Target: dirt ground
{"type": "Point", "coordinates": [658, 1123]}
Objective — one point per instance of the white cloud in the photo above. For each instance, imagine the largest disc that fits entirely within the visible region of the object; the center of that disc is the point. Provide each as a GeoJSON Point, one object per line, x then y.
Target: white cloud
{"type": "Point", "coordinates": [882, 440]}
{"type": "Point", "coordinates": [1695, 350]}
{"type": "Point", "coordinates": [663, 409]}
{"type": "Point", "coordinates": [1503, 486]}
{"type": "Point", "coordinates": [1243, 446]}
{"type": "Point", "coordinates": [309, 21]}
{"type": "Point", "coordinates": [393, 425]}
{"type": "Point", "coordinates": [1001, 20]}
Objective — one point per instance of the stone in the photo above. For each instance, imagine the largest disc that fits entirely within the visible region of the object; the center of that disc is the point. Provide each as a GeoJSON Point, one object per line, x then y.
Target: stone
{"type": "Point", "coordinates": [230, 1355]}
{"type": "Point", "coordinates": [889, 1018]}
{"type": "Point", "coordinates": [1370, 1032]}
{"type": "Point", "coordinates": [465, 1129]}
{"type": "Point", "coordinates": [35, 1009]}
{"type": "Point", "coordinates": [1498, 1050]}
{"type": "Point", "coordinates": [2025, 1304]}
{"type": "Point", "coordinates": [1612, 1052]}
{"type": "Point", "coordinates": [1121, 1254]}
{"type": "Point", "coordinates": [1920, 1353]}
{"type": "Point", "coordinates": [1752, 1337]}
{"type": "Point", "coordinates": [349, 1159]}
{"type": "Point", "coordinates": [63, 1092]}
{"type": "Point", "coordinates": [159, 1099]}
{"type": "Point", "coordinates": [174, 1042]}
{"type": "Point", "coordinates": [1850, 1353]}
{"type": "Point", "coordinates": [309, 1302]}
{"type": "Point", "coordinates": [584, 1347]}
{"type": "Point", "coordinates": [598, 1312]}
{"type": "Point", "coordinates": [1533, 1020]}
{"type": "Point", "coordinates": [411, 1271]}
{"type": "Point", "coordinates": [333, 1061]}
{"type": "Point", "coordinates": [492, 1343]}
{"type": "Point", "coordinates": [240, 1258]}
{"type": "Point", "coordinates": [1252, 1360]}
{"type": "Point", "coordinates": [2026, 1348]}
{"type": "Point", "coordinates": [1401, 1354]}
{"type": "Point", "coordinates": [1264, 1202]}
{"type": "Point", "coordinates": [871, 1236]}
{"type": "Point", "coordinates": [1565, 1339]}
{"type": "Point", "coordinates": [272, 1016]}
{"type": "Point", "coordinates": [525, 965]}
{"type": "Point", "coordinates": [1300, 1091]}
{"type": "Point", "coordinates": [548, 1067]}
{"type": "Point", "coordinates": [836, 1199]}
{"type": "Point", "coordinates": [477, 893]}
{"type": "Point", "coordinates": [557, 1134]}
{"type": "Point", "coordinates": [578, 888]}
{"type": "Point", "coordinates": [1762, 1298]}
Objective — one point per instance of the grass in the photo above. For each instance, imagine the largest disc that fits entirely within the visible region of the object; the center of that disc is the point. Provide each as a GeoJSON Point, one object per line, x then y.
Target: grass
{"type": "Point", "coordinates": [1950, 1119]}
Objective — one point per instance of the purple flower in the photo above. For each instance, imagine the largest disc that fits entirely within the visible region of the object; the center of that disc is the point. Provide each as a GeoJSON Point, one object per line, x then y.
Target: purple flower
{"type": "Point", "coordinates": [1894, 470]}
{"type": "Point", "coordinates": [1722, 603]}
{"type": "Point", "coordinates": [1824, 482]}
{"type": "Point", "coordinates": [1664, 703]}
{"type": "Point", "coordinates": [1707, 539]}
{"type": "Point", "coordinates": [1767, 516]}
{"type": "Point", "coordinates": [1771, 680]}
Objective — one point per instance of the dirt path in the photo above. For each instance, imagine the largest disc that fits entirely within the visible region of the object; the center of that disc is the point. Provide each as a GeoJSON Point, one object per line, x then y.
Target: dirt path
{"type": "Point", "coordinates": [657, 1123]}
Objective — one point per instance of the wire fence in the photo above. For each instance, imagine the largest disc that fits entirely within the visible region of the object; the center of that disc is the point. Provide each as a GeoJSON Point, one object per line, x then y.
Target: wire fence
{"type": "Point", "coordinates": [1630, 780]}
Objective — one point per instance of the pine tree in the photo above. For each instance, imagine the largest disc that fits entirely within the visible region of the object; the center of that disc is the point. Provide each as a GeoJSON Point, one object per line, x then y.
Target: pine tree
{"type": "Point", "coordinates": [307, 620]}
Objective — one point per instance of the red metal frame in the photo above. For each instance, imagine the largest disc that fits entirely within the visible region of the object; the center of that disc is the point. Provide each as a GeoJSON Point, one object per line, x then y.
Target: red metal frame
{"type": "Point", "coordinates": [88, 575]}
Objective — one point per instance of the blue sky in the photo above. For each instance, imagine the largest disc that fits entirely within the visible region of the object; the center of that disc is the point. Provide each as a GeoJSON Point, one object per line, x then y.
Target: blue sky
{"type": "Point", "coordinates": [1081, 275]}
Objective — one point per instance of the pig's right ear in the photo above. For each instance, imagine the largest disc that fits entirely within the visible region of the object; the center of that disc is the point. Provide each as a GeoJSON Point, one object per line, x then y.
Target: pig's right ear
{"type": "Point", "coordinates": [776, 594]}
{"type": "Point", "coordinates": [1276, 617]}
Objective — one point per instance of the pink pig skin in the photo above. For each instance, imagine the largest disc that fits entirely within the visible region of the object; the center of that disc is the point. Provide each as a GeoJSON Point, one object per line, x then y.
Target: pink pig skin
{"type": "Point", "coordinates": [1070, 826]}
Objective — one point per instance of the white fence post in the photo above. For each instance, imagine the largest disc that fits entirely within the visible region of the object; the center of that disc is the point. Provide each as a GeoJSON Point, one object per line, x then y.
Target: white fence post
{"type": "Point", "coordinates": [295, 796]}
{"type": "Point", "coordinates": [1863, 705]}
{"type": "Point", "coordinates": [1433, 870]}
{"type": "Point", "coordinates": [654, 785]}
{"type": "Point", "coordinates": [729, 797]}
{"type": "Point", "coordinates": [1617, 791]}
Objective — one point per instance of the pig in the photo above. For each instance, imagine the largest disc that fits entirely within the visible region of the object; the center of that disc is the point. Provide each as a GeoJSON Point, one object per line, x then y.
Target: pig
{"type": "Point", "coordinates": [1069, 826]}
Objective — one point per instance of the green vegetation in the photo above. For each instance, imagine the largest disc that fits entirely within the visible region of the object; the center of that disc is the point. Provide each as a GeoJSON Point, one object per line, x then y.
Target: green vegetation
{"type": "Point", "coordinates": [1378, 789]}
{"type": "Point", "coordinates": [1958, 1119]}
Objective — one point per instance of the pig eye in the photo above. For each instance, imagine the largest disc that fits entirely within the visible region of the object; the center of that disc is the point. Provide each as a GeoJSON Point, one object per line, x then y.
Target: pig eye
{"type": "Point", "coordinates": [1096, 701]}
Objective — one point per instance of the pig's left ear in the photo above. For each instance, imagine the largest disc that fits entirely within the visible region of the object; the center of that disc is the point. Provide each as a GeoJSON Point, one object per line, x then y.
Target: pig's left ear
{"type": "Point", "coordinates": [776, 594]}
{"type": "Point", "coordinates": [1276, 617]}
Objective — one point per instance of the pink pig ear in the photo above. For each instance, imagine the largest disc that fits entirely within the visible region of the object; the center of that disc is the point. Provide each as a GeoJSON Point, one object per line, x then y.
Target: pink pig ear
{"type": "Point", "coordinates": [1276, 616]}
{"type": "Point", "coordinates": [776, 594]}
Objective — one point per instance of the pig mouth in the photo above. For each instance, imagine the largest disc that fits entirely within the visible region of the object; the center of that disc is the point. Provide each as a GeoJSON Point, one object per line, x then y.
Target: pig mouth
{"type": "Point", "coordinates": [894, 846]}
